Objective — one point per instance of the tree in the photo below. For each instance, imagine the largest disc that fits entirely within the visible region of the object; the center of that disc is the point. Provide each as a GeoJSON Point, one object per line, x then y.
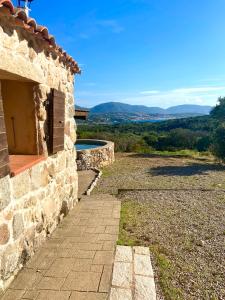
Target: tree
{"type": "Point", "coordinates": [218, 111]}
{"type": "Point", "coordinates": [203, 143]}
{"type": "Point", "coordinates": [218, 147]}
{"type": "Point", "coordinates": [151, 138]}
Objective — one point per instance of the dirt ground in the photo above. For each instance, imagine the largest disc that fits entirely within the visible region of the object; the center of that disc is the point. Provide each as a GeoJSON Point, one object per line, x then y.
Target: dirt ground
{"type": "Point", "coordinates": [185, 230]}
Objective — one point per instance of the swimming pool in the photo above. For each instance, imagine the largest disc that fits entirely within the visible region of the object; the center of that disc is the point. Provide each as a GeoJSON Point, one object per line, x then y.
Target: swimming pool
{"type": "Point", "coordinates": [87, 146]}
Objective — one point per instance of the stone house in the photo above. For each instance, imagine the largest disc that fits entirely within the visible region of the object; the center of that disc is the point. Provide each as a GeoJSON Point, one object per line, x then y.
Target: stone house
{"type": "Point", "coordinates": [38, 176]}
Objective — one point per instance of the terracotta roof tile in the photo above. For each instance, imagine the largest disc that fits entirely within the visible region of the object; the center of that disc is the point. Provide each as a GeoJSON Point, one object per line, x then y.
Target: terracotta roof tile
{"type": "Point", "coordinates": [52, 40]}
{"type": "Point", "coordinates": [32, 23]}
{"type": "Point", "coordinates": [8, 4]}
{"type": "Point", "coordinates": [29, 24]}
{"type": "Point", "coordinates": [44, 31]}
{"type": "Point", "coordinates": [20, 14]}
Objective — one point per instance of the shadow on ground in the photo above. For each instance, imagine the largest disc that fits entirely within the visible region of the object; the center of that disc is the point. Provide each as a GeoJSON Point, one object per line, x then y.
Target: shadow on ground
{"type": "Point", "coordinates": [140, 155]}
{"type": "Point", "coordinates": [187, 170]}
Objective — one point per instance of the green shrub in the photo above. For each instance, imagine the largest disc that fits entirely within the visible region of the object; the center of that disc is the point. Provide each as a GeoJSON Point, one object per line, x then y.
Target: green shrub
{"type": "Point", "coordinates": [218, 146]}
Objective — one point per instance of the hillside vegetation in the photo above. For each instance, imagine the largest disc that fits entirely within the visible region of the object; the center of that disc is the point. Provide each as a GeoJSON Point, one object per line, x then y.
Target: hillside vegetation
{"type": "Point", "coordinates": [173, 135]}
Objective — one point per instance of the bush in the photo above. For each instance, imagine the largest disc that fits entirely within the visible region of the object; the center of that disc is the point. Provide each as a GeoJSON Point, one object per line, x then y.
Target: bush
{"type": "Point", "coordinates": [177, 139]}
{"type": "Point", "coordinates": [203, 143]}
{"type": "Point", "coordinates": [145, 138]}
{"type": "Point", "coordinates": [218, 112]}
{"type": "Point", "coordinates": [218, 147]}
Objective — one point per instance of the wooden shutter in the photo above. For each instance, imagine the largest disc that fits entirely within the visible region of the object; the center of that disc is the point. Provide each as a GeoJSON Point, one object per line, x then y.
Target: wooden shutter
{"type": "Point", "coordinates": [56, 121]}
{"type": "Point", "coordinates": [4, 156]}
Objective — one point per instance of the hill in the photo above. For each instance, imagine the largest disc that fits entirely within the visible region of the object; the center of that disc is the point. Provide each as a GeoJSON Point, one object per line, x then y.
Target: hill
{"type": "Point", "coordinates": [189, 109]}
{"type": "Point", "coordinates": [117, 107]}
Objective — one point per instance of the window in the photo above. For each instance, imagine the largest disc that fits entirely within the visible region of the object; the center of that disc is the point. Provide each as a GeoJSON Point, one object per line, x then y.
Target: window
{"type": "Point", "coordinates": [18, 132]}
{"type": "Point", "coordinates": [19, 139]}
{"type": "Point", "coordinates": [20, 120]}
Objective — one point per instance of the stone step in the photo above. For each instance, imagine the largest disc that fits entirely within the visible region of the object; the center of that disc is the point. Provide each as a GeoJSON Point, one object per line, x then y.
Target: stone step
{"type": "Point", "coordinates": [133, 276]}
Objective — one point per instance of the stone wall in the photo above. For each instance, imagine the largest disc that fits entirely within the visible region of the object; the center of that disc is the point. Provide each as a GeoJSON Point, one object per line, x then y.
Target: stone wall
{"type": "Point", "coordinates": [33, 202]}
{"type": "Point", "coordinates": [97, 157]}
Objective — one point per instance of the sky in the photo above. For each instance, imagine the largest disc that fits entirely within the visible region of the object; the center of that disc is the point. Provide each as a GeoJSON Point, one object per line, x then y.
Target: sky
{"type": "Point", "coordinates": [150, 52]}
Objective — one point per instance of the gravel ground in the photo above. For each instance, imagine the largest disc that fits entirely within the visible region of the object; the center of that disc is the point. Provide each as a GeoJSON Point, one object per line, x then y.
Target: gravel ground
{"type": "Point", "coordinates": [185, 230]}
{"type": "Point", "coordinates": [139, 171]}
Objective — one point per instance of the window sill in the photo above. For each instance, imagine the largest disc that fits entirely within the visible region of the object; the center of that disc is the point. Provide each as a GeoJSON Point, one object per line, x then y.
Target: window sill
{"type": "Point", "coordinates": [20, 163]}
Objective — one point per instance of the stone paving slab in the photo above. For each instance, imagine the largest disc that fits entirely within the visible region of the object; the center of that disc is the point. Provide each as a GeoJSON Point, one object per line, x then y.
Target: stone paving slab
{"type": "Point", "coordinates": [84, 180]}
{"type": "Point", "coordinates": [76, 262]}
{"type": "Point", "coordinates": [133, 277]}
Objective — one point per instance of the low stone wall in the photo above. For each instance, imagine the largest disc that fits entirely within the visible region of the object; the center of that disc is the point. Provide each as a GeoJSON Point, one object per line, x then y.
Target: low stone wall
{"type": "Point", "coordinates": [95, 158]}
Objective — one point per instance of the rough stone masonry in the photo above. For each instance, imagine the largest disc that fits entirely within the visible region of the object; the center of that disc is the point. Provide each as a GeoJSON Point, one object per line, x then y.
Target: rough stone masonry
{"type": "Point", "coordinates": [33, 202]}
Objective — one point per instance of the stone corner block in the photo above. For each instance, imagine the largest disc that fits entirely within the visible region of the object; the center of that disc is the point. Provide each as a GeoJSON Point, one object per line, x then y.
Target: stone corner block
{"type": "Point", "coordinates": [123, 254]}
{"type": "Point", "coordinates": [145, 288]}
{"type": "Point", "coordinates": [142, 265]}
{"type": "Point", "coordinates": [120, 294]}
{"type": "Point", "coordinates": [122, 275]}
{"type": "Point", "coordinates": [141, 250]}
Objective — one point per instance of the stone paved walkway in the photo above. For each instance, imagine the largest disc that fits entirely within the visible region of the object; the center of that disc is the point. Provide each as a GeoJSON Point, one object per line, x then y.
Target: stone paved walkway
{"type": "Point", "coordinates": [85, 178]}
{"type": "Point", "coordinates": [76, 262]}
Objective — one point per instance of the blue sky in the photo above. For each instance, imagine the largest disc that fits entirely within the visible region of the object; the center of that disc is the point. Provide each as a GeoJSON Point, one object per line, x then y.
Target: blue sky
{"type": "Point", "coordinates": [151, 52]}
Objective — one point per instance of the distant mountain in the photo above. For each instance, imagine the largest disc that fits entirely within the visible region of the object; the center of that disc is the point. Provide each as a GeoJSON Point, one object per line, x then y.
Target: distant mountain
{"type": "Point", "coordinates": [117, 107]}
{"type": "Point", "coordinates": [189, 109]}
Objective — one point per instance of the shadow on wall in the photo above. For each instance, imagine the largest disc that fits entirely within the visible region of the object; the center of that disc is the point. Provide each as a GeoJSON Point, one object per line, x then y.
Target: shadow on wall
{"type": "Point", "coordinates": [188, 170]}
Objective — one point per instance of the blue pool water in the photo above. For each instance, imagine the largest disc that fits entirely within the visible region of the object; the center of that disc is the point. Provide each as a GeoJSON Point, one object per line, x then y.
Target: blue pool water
{"type": "Point", "coordinates": [86, 146]}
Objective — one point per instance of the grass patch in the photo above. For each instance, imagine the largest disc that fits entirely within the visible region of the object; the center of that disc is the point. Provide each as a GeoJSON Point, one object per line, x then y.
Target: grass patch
{"type": "Point", "coordinates": [166, 271]}
{"type": "Point", "coordinates": [182, 153]}
{"type": "Point", "coordinates": [127, 221]}
{"type": "Point", "coordinates": [106, 173]}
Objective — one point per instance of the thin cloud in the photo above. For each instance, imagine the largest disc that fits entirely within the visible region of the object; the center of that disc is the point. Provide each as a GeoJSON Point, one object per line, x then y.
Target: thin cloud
{"type": "Point", "coordinates": [212, 81]}
{"type": "Point", "coordinates": [154, 92]}
{"type": "Point", "coordinates": [91, 26]}
{"type": "Point", "coordinates": [198, 90]}
{"type": "Point", "coordinates": [113, 25]}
